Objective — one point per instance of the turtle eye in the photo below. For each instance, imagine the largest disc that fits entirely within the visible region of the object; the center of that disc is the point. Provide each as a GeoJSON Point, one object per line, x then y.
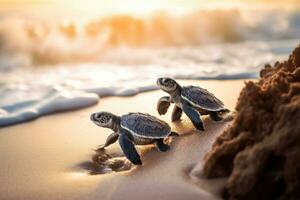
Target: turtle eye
{"type": "Point", "coordinates": [98, 116]}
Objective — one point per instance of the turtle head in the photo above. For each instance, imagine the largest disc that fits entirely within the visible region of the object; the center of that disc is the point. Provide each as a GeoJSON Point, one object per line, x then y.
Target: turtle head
{"type": "Point", "coordinates": [167, 84]}
{"type": "Point", "coordinates": [103, 119]}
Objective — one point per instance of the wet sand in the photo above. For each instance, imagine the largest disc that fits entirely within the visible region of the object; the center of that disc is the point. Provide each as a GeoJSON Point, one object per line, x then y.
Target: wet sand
{"type": "Point", "coordinates": [41, 159]}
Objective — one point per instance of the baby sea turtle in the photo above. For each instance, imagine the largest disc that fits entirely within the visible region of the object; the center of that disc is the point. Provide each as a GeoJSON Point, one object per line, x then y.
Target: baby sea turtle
{"type": "Point", "coordinates": [193, 101]}
{"type": "Point", "coordinates": [134, 129]}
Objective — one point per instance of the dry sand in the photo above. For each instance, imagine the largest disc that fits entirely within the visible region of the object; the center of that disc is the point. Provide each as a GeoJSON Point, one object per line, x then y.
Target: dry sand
{"type": "Point", "coordinates": [41, 159]}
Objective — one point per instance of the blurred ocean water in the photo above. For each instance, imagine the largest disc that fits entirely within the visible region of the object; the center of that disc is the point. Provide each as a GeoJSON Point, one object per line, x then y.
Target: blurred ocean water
{"type": "Point", "coordinates": [47, 67]}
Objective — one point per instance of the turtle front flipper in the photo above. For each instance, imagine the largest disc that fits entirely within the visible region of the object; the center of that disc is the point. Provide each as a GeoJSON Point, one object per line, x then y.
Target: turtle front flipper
{"type": "Point", "coordinates": [112, 138]}
{"type": "Point", "coordinates": [176, 114]}
{"type": "Point", "coordinates": [161, 146]}
{"type": "Point", "coordinates": [194, 116]}
{"type": "Point", "coordinates": [129, 149]}
{"type": "Point", "coordinates": [163, 105]}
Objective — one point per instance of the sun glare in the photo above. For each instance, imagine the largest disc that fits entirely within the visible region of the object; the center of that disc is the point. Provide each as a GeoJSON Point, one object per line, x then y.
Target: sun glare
{"type": "Point", "coordinates": [97, 8]}
{"type": "Point", "coordinates": [132, 7]}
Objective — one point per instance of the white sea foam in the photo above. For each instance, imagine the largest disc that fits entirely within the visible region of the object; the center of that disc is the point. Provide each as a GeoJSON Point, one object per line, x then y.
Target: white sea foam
{"type": "Point", "coordinates": [27, 93]}
{"type": "Point", "coordinates": [54, 101]}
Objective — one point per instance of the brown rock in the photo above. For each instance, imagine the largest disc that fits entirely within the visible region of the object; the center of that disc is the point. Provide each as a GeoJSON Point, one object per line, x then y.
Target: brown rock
{"type": "Point", "coordinates": [260, 152]}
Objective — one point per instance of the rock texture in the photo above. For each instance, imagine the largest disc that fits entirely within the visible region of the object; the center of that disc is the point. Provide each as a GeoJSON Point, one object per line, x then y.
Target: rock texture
{"type": "Point", "coordinates": [260, 152]}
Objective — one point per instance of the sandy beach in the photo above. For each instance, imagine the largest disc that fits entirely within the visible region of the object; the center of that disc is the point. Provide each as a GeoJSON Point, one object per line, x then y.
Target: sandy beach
{"type": "Point", "coordinates": [41, 159]}
{"type": "Point", "coordinates": [70, 68]}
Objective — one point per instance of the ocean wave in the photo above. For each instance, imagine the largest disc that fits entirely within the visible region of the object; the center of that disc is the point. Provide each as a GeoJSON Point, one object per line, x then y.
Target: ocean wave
{"type": "Point", "coordinates": [50, 66]}
{"type": "Point", "coordinates": [28, 42]}
{"type": "Point", "coordinates": [28, 93]}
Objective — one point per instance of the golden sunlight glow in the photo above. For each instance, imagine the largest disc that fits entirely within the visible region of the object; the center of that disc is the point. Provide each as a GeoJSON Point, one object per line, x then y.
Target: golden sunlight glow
{"type": "Point", "coordinates": [133, 7]}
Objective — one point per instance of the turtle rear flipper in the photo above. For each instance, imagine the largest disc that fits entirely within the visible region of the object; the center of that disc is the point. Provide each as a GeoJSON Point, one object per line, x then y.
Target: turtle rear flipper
{"type": "Point", "coordinates": [129, 149]}
{"type": "Point", "coordinates": [215, 116]}
{"type": "Point", "coordinates": [219, 115]}
{"type": "Point", "coordinates": [163, 104]}
{"type": "Point", "coordinates": [174, 134]}
{"type": "Point", "coordinates": [161, 146]}
{"type": "Point", "coordinates": [224, 111]}
{"type": "Point", "coordinates": [194, 116]}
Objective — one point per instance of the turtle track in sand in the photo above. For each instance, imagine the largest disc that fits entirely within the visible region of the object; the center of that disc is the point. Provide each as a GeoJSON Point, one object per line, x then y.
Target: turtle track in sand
{"type": "Point", "coordinates": [105, 162]}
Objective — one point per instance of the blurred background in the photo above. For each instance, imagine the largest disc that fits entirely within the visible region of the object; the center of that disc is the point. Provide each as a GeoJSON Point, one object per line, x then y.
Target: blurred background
{"type": "Point", "coordinates": [119, 47]}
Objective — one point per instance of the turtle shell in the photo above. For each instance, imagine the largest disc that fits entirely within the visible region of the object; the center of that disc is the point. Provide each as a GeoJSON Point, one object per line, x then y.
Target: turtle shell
{"type": "Point", "coordinates": [145, 125]}
{"type": "Point", "coordinates": [201, 98]}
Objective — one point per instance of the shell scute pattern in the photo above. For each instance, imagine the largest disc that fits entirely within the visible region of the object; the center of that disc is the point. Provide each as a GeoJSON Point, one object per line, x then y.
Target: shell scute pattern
{"type": "Point", "coordinates": [145, 125]}
{"type": "Point", "coordinates": [202, 98]}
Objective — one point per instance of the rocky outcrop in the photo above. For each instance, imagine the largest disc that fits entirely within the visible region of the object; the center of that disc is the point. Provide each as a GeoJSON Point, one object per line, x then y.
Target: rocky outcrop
{"type": "Point", "coordinates": [260, 152]}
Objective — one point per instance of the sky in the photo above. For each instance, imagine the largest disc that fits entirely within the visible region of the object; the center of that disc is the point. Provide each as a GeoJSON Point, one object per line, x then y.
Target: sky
{"type": "Point", "coordinates": [95, 8]}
